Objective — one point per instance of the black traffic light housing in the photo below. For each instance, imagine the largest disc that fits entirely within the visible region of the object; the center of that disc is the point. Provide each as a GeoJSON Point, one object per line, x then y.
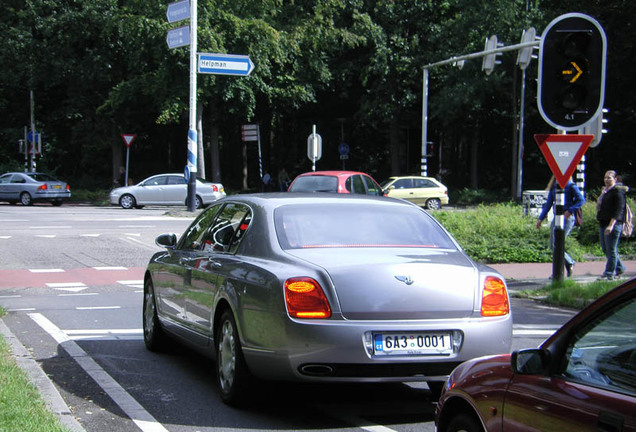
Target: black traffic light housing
{"type": "Point", "coordinates": [572, 57]}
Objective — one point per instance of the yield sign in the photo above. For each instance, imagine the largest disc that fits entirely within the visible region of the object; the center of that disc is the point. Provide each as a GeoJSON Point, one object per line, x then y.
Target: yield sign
{"type": "Point", "coordinates": [563, 153]}
{"type": "Point", "coordinates": [128, 139]}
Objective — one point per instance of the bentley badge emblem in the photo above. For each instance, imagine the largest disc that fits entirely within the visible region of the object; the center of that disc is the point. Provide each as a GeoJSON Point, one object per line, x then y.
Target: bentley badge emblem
{"type": "Point", "coordinates": [406, 279]}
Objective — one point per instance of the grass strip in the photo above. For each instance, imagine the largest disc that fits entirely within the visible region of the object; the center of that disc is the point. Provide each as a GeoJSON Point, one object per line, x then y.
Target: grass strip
{"type": "Point", "coordinates": [569, 293]}
{"type": "Point", "coordinates": [21, 407]}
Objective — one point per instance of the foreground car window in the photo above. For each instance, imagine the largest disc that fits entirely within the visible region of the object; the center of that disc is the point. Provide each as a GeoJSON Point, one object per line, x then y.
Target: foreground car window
{"type": "Point", "coordinates": [313, 226]}
{"type": "Point", "coordinates": [228, 228]}
{"type": "Point", "coordinates": [603, 354]}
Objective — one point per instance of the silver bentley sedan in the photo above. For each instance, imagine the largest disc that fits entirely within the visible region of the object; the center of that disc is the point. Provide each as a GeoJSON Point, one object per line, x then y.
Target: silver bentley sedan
{"type": "Point", "coordinates": [339, 288]}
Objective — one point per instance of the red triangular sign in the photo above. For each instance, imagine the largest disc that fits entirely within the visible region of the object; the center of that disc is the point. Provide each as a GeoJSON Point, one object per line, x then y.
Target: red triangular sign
{"type": "Point", "coordinates": [128, 138]}
{"type": "Point", "coordinates": [563, 153]}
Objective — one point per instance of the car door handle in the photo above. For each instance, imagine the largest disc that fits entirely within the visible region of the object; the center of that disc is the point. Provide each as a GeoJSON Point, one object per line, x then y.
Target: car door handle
{"type": "Point", "coordinates": [609, 422]}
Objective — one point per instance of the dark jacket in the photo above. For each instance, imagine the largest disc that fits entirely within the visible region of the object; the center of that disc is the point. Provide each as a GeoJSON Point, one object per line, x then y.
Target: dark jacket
{"type": "Point", "coordinates": [574, 199]}
{"type": "Point", "coordinates": [611, 206]}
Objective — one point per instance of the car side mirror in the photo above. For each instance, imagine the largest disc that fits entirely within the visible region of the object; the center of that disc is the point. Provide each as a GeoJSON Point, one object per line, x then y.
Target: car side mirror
{"type": "Point", "coordinates": [529, 361]}
{"type": "Point", "coordinates": [166, 240]}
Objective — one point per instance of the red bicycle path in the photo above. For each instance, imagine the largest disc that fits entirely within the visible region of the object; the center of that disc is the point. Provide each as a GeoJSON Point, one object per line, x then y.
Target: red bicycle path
{"type": "Point", "coordinates": [89, 276]}
{"type": "Point", "coordinates": [513, 273]}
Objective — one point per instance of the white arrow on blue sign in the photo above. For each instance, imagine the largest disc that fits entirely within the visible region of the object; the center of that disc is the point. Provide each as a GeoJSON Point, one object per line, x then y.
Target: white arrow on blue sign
{"type": "Point", "coordinates": [178, 37]}
{"type": "Point", "coordinates": [178, 11]}
{"type": "Point", "coordinates": [225, 64]}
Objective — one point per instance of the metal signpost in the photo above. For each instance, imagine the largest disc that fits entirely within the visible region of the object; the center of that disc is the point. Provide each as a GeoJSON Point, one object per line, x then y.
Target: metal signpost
{"type": "Point", "coordinates": [128, 139]}
{"type": "Point", "coordinates": [314, 148]}
{"type": "Point", "coordinates": [571, 92]}
{"type": "Point", "coordinates": [563, 153]}
{"type": "Point", "coordinates": [251, 132]}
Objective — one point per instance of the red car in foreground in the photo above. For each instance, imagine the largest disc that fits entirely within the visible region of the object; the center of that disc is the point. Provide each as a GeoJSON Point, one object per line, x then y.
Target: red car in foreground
{"type": "Point", "coordinates": [582, 378]}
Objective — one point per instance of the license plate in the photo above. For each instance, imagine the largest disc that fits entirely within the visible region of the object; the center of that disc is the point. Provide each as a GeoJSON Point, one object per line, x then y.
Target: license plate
{"type": "Point", "coordinates": [429, 343]}
{"type": "Point", "coordinates": [57, 186]}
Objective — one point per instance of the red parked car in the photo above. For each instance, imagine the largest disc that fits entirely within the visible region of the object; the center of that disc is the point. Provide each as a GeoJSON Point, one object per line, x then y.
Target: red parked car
{"type": "Point", "coordinates": [336, 182]}
{"type": "Point", "coordinates": [582, 378]}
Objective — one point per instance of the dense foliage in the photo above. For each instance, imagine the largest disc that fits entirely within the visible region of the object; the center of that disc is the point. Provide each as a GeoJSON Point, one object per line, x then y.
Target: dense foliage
{"type": "Point", "coordinates": [353, 68]}
{"type": "Point", "coordinates": [500, 233]}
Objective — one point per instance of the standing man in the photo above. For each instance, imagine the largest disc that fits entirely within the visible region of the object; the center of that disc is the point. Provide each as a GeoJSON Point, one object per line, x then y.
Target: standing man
{"type": "Point", "coordinates": [574, 200]}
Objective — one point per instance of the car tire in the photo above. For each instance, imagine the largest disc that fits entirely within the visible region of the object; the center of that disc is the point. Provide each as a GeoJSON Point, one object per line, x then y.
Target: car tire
{"type": "Point", "coordinates": [25, 199]}
{"type": "Point", "coordinates": [433, 204]}
{"type": "Point", "coordinates": [198, 203]}
{"type": "Point", "coordinates": [127, 201]}
{"type": "Point", "coordinates": [154, 336]}
{"type": "Point", "coordinates": [464, 423]}
{"type": "Point", "coordinates": [231, 370]}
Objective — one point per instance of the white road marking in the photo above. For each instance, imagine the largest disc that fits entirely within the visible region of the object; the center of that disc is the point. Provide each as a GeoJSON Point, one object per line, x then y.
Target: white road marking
{"type": "Point", "coordinates": [46, 270]}
{"type": "Point", "coordinates": [110, 268]}
{"type": "Point", "coordinates": [90, 235]}
{"type": "Point", "coordinates": [50, 227]}
{"type": "Point", "coordinates": [142, 418]}
{"type": "Point", "coordinates": [5, 237]}
{"type": "Point", "coordinates": [46, 235]}
{"type": "Point", "coordinates": [133, 234]}
{"type": "Point", "coordinates": [21, 310]}
{"type": "Point", "coordinates": [77, 294]}
{"type": "Point", "coordinates": [97, 307]}
{"type": "Point", "coordinates": [65, 284]}
{"type": "Point", "coordinates": [131, 282]}
{"type": "Point", "coordinates": [106, 334]}
{"type": "Point", "coordinates": [10, 296]}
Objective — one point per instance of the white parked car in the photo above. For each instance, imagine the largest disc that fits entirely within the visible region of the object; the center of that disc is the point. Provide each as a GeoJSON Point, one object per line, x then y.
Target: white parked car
{"type": "Point", "coordinates": [166, 189]}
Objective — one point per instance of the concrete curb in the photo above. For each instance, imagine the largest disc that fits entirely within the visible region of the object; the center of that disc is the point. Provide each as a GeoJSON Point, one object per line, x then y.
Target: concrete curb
{"type": "Point", "coordinates": [54, 401]}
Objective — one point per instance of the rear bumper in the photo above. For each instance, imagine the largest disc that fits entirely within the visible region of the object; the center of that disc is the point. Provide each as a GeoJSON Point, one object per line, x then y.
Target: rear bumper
{"type": "Point", "coordinates": [338, 351]}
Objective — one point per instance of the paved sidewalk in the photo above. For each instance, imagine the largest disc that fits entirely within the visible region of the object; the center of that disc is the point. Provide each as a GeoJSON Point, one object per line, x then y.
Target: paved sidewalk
{"type": "Point", "coordinates": [537, 273]}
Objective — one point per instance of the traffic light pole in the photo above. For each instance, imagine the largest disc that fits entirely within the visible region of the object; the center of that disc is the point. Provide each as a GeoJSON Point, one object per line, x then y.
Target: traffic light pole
{"type": "Point", "coordinates": [558, 250]}
{"type": "Point", "coordinates": [455, 60]}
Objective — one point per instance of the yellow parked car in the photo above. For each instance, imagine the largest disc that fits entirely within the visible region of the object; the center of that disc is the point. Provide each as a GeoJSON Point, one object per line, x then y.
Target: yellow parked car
{"type": "Point", "coordinates": [424, 191]}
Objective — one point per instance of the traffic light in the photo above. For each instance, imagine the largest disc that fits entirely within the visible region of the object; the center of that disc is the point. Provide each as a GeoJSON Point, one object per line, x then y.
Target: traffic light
{"type": "Point", "coordinates": [572, 57]}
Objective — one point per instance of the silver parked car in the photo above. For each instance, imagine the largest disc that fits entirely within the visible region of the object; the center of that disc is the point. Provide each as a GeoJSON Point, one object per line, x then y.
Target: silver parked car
{"type": "Point", "coordinates": [166, 189]}
{"type": "Point", "coordinates": [30, 187]}
{"type": "Point", "coordinates": [316, 288]}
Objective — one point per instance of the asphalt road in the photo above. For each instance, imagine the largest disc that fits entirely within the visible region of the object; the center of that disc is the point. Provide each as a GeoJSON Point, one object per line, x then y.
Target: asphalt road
{"type": "Point", "coordinates": [70, 278]}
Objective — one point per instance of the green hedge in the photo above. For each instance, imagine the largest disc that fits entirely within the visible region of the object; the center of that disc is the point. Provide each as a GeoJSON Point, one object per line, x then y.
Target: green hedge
{"type": "Point", "coordinates": [500, 233]}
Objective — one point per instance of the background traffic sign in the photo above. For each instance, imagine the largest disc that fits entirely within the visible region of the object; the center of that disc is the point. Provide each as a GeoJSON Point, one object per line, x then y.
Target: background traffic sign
{"type": "Point", "coordinates": [178, 11]}
{"type": "Point", "coordinates": [178, 37]}
{"type": "Point", "coordinates": [225, 64]}
{"type": "Point", "coordinates": [128, 139]}
{"type": "Point", "coordinates": [563, 153]}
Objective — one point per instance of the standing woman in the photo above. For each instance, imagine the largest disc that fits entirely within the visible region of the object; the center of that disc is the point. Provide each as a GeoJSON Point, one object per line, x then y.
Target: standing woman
{"type": "Point", "coordinates": [610, 211]}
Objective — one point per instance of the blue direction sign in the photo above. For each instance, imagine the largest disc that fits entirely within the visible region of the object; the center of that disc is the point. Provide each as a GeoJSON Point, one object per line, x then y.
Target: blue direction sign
{"type": "Point", "coordinates": [178, 11]}
{"type": "Point", "coordinates": [225, 64]}
{"type": "Point", "coordinates": [178, 37]}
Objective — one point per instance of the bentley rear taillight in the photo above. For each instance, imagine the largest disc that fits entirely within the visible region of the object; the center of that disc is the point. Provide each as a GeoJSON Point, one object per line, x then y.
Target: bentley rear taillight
{"type": "Point", "coordinates": [494, 300]}
{"type": "Point", "coordinates": [305, 299]}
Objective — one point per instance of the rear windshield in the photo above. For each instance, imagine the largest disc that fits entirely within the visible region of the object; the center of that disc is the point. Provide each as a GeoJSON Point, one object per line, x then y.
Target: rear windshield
{"type": "Point", "coordinates": [338, 226]}
{"type": "Point", "coordinates": [315, 183]}
{"type": "Point", "coordinates": [42, 177]}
